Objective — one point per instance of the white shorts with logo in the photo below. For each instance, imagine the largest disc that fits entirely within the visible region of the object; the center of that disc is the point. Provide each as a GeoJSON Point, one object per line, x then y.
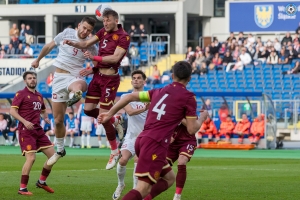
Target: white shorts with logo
{"type": "Point", "coordinates": [86, 126]}
{"type": "Point", "coordinates": [100, 130]}
{"type": "Point", "coordinates": [61, 83]}
{"type": "Point", "coordinates": [128, 144]}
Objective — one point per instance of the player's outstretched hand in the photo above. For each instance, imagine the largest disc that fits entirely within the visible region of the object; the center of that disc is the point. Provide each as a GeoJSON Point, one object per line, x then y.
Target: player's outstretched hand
{"type": "Point", "coordinates": [147, 106]}
{"type": "Point", "coordinates": [47, 120]}
{"type": "Point", "coordinates": [68, 42]}
{"type": "Point", "coordinates": [88, 55]}
{"type": "Point", "coordinates": [29, 125]}
{"type": "Point", "coordinates": [35, 64]}
{"type": "Point", "coordinates": [103, 117]}
{"type": "Point", "coordinates": [86, 72]}
{"type": "Point", "coordinates": [203, 115]}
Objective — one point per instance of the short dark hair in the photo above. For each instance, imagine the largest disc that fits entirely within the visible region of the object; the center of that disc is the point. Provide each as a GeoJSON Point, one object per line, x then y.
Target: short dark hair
{"type": "Point", "coordinates": [71, 113]}
{"type": "Point", "coordinates": [139, 72]}
{"type": "Point", "coordinates": [182, 70]}
{"type": "Point", "coordinates": [91, 21]}
{"type": "Point", "coordinates": [108, 12]}
{"type": "Point", "coordinates": [29, 72]}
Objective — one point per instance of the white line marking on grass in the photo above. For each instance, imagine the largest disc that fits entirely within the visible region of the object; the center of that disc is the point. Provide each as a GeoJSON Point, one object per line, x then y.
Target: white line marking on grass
{"type": "Point", "coordinates": [72, 170]}
{"type": "Point", "coordinates": [229, 168]}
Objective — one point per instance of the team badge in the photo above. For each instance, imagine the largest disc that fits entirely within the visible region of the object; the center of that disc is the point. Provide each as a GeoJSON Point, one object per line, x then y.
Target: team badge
{"type": "Point", "coordinates": [106, 99]}
{"type": "Point", "coordinates": [154, 156]}
{"type": "Point", "coordinates": [105, 33]}
{"type": "Point", "coordinates": [40, 99]}
{"type": "Point", "coordinates": [291, 9]}
{"type": "Point", "coordinates": [127, 37]}
{"type": "Point", "coordinates": [263, 15]}
{"type": "Point", "coordinates": [28, 97]}
{"type": "Point", "coordinates": [28, 147]}
{"type": "Point", "coordinates": [17, 94]}
{"type": "Point", "coordinates": [54, 96]}
{"type": "Point", "coordinates": [115, 37]}
{"type": "Point", "coordinates": [156, 175]}
{"type": "Point", "coordinates": [113, 88]}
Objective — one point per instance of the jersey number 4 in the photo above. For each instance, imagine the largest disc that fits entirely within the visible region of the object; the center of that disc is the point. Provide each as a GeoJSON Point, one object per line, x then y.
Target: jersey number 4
{"type": "Point", "coordinates": [160, 111]}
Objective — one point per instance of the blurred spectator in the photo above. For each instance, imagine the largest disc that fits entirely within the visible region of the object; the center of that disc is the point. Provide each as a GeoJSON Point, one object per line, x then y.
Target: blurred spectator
{"type": "Point", "coordinates": [2, 53]}
{"type": "Point", "coordinates": [213, 48]}
{"type": "Point", "coordinates": [203, 68]}
{"type": "Point", "coordinates": [242, 128]}
{"type": "Point", "coordinates": [263, 54]}
{"type": "Point", "coordinates": [28, 51]}
{"type": "Point", "coordinates": [22, 37]}
{"type": "Point", "coordinates": [250, 39]}
{"type": "Point", "coordinates": [231, 47]}
{"type": "Point", "coordinates": [199, 58]}
{"type": "Point", "coordinates": [29, 35]}
{"type": "Point", "coordinates": [49, 80]}
{"type": "Point", "coordinates": [15, 42]}
{"type": "Point", "coordinates": [245, 57]}
{"type": "Point", "coordinates": [133, 52]}
{"type": "Point", "coordinates": [251, 51]}
{"type": "Point", "coordinates": [296, 39]}
{"type": "Point", "coordinates": [207, 128]}
{"type": "Point", "coordinates": [207, 106]}
{"type": "Point", "coordinates": [198, 50]}
{"type": "Point", "coordinates": [257, 129]}
{"type": "Point", "coordinates": [236, 53]}
{"type": "Point", "coordinates": [14, 31]}
{"type": "Point", "coordinates": [287, 38]}
{"type": "Point", "coordinates": [277, 45]}
{"type": "Point", "coordinates": [13, 128]}
{"type": "Point", "coordinates": [227, 58]}
{"type": "Point", "coordinates": [241, 38]}
{"type": "Point", "coordinates": [222, 49]}
{"type": "Point", "coordinates": [295, 70]}
{"type": "Point", "coordinates": [125, 66]}
{"type": "Point", "coordinates": [189, 53]}
{"type": "Point", "coordinates": [195, 70]}
{"type": "Point", "coordinates": [273, 58]}
{"type": "Point", "coordinates": [298, 29]}
{"type": "Point", "coordinates": [155, 75]}
{"type": "Point", "coordinates": [3, 129]}
{"type": "Point", "coordinates": [20, 49]}
{"type": "Point", "coordinates": [231, 37]}
{"type": "Point", "coordinates": [132, 31]}
{"type": "Point", "coordinates": [237, 66]}
{"type": "Point", "coordinates": [297, 48]}
{"type": "Point", "coordinates": [10, 50]}
{"type": "Point", "coordinates": [141, 31]}
{"type": "Point", "coordinates": [216, 61]}
{"type": "Point", "coordinates": [292, 53]}
{"type": "Point", "coordinates": [269, 43]}
{"type": "Point", "coordinates": [283, 57]}
{"type": "Point", "coordinates": [226, 129]}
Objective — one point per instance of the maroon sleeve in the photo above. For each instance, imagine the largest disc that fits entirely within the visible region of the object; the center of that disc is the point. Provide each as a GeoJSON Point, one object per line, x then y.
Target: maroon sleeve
{"type": "Point", "coordinates": [99, 34]}
{"type": "Point", "coordinates": [151, 92]}
{"type": "Point", "coordinates": [191, 107]}
{"type": "Point", "coordinates": [17, 101]}
{"type": "Point", "coordinates": [124, 42]}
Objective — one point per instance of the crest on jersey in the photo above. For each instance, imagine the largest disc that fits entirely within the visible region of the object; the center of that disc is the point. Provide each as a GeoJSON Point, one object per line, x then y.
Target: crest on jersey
{"type": "Point", "coordinates": [17, 94]}
{"type": "Point", "coordinates": [115, 37]}
{"type": "Point", "coordinates": [156, 175]}
{"type": "Point", "coordinates": [105, 33]}
{"type": "Point", "coordinates": [113, 88]}
{"type": "Point", "coordinates": [263, 15]}
{"type": "Point", "coordinates": [154, 156]}
{"type": "Point", "coordinates": [28, 147]}
{"type": "Point", "coordinates": [127, 37]}
{"type": "Point", "coordinates": [106, 99]}
{"type": "Point", "coordinates": [28, 97]}
{"type": "Point", "coordinates": [40, 99]}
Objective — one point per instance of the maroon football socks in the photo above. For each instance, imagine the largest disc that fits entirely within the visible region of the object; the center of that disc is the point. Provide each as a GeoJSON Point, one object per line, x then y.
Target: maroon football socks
{"type": "Point", "coordinates": [159, 187]}
{"type": "Point", "coordinates": [180, 178]}
{"type": "Point", "coordinates": [45, 174]}
{"type": "Point", "coordinates": [133, 195]}
{"type": "Point", "coordinates": [24, 181]}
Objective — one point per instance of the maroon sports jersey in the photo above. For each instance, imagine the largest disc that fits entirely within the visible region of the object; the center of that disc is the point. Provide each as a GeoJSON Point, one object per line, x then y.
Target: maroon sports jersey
{"type": "Point", "coordinates": [29, 106]}
{"type": "Point", "coordinates": [181, 134]}
{"type": "Point", "coordinates": [169, 105]}
{"type": "Point", "coordinates": [108, 42]}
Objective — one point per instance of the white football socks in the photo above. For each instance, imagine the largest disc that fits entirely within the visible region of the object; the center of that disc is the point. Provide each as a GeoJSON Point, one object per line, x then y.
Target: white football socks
{"type": "Point", "coordinates": [121, 171]}
{"type": "Point", "coordinates": [100, 143]}
{"type": "Point", "coordinates": [60, 144]}
{"type": "Point", "coordinates": [135, 178]}
{"type": "Point", "coordinates": [72, 141]}
{"type": "Point", "coordinates": [88, 140]}
{"type": "Point", "coordinates": [82, 139]}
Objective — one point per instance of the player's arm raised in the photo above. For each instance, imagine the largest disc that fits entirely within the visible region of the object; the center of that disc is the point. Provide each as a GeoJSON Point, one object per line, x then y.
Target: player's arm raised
{"type": "Point", "coordinates": [131, 111]}
{"type": "Point", "coordinates": [83, 44]}
{"type": "Point", "coordinates": [45, 51]}
{"type": "Point", "coordinates": [112, 59]}
{"type": "Point", "coordinates": [14, 112]}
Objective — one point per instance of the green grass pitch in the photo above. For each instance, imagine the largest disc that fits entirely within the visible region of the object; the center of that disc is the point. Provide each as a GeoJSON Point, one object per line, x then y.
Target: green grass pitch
{"type": "Point", "coordinates": [212, 175]}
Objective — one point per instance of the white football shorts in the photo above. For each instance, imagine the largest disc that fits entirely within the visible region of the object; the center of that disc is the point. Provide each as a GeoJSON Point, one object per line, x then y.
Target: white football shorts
{"type": "Point", "coordinates": [86, 126]}
{"type": "Point", "coordinates": [100, 130]}
{"type": "Point", "coordinates": [128, 144]}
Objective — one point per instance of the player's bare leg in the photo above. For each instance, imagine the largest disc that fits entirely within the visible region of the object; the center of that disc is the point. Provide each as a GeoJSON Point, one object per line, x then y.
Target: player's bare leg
{"type": "Point", "coordinates": [121, 171]}
{"type": "Point", "coordinates": [41, 183]}
{"type": "Point", "coordinates": [76, 89]}
{"type": "Point", "coordinates": [162, 184]}
{"type": "Point", "coordinates": [91, 110]}
{"type": "Point", "coordinates": [59, 109]}
{"type": "Point", "coordinates": [181, 176]}
{"type": "Point", "coordinates": [30, 158]}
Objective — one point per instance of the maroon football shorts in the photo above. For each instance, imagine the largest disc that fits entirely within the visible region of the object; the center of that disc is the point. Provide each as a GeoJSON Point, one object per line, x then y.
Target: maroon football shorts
{"type": "Point", "coordinates": [103, 88]}
{"type": "Point", "coordinates": [152, 158]}
{"type": "Point", "coordinates": [186, 148]}
{"type": "Point", "coordinates": [33, 140]}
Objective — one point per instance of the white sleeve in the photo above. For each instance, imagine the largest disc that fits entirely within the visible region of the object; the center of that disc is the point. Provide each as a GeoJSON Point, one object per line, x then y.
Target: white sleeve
{"type": "Point", "coordinates": [59, 37]}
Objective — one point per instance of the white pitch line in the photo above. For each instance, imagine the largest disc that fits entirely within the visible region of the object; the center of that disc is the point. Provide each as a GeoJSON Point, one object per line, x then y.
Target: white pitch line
{"type": "Point", "coordinates": [79, 170]}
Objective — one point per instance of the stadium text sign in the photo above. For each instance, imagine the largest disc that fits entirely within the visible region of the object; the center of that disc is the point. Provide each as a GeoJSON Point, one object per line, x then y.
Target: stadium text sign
{"type": "Point", "coordinates": [8, 74]}
{"type": "Point", "coordinates": [264, 16]}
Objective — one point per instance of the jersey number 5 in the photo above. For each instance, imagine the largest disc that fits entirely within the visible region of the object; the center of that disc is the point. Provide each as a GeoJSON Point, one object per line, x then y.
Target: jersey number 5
{"type": "Point", "coordinates": [104, 44]}
{"type": "Point", "coordinates": [160, 111]}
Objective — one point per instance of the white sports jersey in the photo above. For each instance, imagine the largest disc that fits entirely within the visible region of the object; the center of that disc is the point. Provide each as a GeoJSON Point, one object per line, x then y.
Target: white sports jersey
{"type": "Point", "coordinates": [70, 58]}
{"type": "Point", "coordinates": [136, 122]}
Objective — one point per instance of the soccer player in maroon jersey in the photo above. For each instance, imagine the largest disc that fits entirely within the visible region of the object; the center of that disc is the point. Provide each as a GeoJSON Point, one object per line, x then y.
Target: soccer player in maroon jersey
{"type": "Point", "coordinates": [113, 45]}
{"type": "Point", "coordinates": [27, 106]}
{"type": "Point", "coordinates": [169, 105]}
{"type": "Point", "coordinates": [182, 147]}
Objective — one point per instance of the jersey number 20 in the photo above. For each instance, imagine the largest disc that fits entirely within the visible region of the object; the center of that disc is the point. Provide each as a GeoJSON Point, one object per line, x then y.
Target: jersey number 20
{"type": "Point", "coordinates": [160, 111]}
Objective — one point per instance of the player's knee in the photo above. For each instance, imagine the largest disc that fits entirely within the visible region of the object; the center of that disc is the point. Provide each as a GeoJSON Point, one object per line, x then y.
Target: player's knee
{"type": "Point", "coordinates": [59, 122]}
{"type": "Point", "coordinates": [30, 158]}
{"type": "Point", "coordinates": [170, 178]}
{"type": "Point", "coordinates": [123, 161]}
{"type": "Point", "coordinates": [182, 160]}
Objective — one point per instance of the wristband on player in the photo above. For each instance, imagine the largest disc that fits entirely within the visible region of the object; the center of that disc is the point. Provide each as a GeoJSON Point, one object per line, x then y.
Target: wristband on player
{"type": "Point", "coordinates": [97, 58]}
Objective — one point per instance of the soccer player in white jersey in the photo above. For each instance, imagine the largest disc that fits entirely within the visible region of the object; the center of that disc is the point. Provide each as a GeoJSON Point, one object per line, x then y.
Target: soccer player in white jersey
{"type": "Point", "coordinates": [69, 82]}
{"type": "Point", "coordinates": [137, 113]}
{"type": "Point", "coordinates": [85, 126]}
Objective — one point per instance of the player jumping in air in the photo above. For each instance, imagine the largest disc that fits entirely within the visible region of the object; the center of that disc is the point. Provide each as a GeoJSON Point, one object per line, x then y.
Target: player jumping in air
{"type": "Point", "coordinates": [169, 105]}
{"type": "Point", "coordinates": [27, 106]}
{"type": "Point", "coordinates": [113, 45]}
{"type": "Point", "coordinates": [137, 113]}
{"type": "Point", "coordinates": [69, 82]}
